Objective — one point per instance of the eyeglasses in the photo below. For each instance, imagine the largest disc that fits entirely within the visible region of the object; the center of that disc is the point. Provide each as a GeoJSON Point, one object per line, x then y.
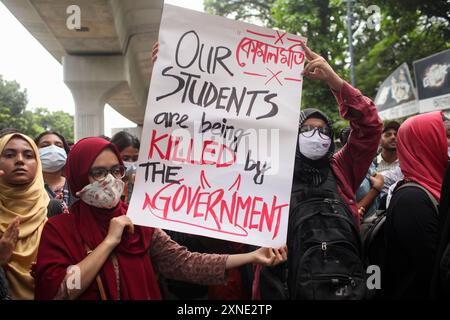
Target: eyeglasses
{"type": "Point", "coordinates": [100, 174]}
{"type": "Point", "coordinates": [308, 131]}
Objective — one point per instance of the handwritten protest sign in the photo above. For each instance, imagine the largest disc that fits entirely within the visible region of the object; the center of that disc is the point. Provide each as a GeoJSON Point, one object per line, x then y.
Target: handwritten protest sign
{"type": "Point", "coordinates": [220, 131]}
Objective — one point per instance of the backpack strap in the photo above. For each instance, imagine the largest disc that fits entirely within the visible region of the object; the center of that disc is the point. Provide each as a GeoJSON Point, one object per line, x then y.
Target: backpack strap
{"type": "Point", "coordinates": [416, 185]}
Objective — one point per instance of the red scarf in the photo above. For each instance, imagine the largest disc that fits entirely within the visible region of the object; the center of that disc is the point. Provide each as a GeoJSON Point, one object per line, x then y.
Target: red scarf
{"type": "Point", "coordinates": [88, 225]}
{"type": "Point", "coordinates": [422, 150]}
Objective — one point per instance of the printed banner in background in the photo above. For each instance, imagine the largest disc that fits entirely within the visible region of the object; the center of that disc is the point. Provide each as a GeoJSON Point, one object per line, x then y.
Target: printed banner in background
{"type": "Point", "coordinates": [220, 132]}
{"type": "Point", "coordinates": [433, 81]}
{"type": "Point", "coordinates": [396, 97]}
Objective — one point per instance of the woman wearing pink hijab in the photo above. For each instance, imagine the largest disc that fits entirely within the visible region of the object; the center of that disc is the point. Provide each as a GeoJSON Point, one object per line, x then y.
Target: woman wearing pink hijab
{"type": "Point", "coordinates": [412, 218]}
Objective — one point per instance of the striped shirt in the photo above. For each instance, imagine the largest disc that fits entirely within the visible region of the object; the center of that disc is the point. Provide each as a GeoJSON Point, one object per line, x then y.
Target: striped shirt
{"type": "Point", "coordinates": [382, 165]}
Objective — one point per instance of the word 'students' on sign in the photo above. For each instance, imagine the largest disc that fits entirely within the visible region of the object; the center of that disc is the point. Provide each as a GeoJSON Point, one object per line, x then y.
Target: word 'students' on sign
{"type": "Point", "coordinates": [220, 131]}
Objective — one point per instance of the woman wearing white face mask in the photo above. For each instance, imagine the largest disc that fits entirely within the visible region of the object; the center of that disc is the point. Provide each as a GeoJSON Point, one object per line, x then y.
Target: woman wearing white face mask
{"type": "Point", "coordinates": [128, 146]}
{"type": "Point", "coordinates": [53, 150]}
{"type": "Point", "coordinates": [323, 213]}
{"type": "Point", "coordinates": [315, 160]}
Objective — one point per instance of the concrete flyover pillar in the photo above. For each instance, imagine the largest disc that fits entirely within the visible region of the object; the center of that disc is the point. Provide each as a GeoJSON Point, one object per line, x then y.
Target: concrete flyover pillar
{"type": "Point", "coordinates": [92, 80]}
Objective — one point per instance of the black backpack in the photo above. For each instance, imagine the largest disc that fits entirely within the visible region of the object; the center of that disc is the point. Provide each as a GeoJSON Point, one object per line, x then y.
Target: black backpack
{"type": "Point", "coordinates": [273, 283]}
{"type": "Point", "coordinates": [372, 230]}
{"type": "Point", "coordinates": [325, 257]}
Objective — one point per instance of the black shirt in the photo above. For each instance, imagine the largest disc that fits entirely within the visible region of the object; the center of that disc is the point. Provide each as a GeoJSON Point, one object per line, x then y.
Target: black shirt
{"type": "Point", "coordinates": [411, 242]}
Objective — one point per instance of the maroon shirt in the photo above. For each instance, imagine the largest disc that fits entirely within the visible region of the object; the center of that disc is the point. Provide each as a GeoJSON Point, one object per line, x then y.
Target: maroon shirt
{"type": "Point", "coordinates": [351, 163]}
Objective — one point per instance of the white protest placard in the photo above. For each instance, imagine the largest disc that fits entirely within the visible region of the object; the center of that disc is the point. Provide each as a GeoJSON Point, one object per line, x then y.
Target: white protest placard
{"type": "Point", "coordinates": [220, 131]}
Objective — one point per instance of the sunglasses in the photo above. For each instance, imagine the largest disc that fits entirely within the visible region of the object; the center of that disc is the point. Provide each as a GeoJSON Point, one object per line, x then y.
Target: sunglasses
{"type": "Point", "coordinates": [308, 131]}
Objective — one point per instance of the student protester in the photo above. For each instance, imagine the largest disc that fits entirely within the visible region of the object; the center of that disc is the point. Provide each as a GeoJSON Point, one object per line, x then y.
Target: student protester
{"type": "Point", "coordinates": [23, 210]}
{"type": "Point", "coordinates": [440, 285]}
{"type": "Point", "coordinates": [387, 159]}
{"type": "Point", "coordinates": [239, 281]}
{"type": "Point", "coordinates": [117, 260]}
{"type": "Point", "coordinates": [325, 180]}
{"type": "Point", "coordinates": [411, 227]}
{"type": "Point", "coordinates": [315, 160]}
{"type": "Point", "coordinates": [53, 150]}
{"type": "Point", "coordinates": [8, 240]}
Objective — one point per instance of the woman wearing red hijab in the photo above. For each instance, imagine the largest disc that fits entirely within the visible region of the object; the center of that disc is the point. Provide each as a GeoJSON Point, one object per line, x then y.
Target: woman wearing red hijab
{"type": "Point", "coordinates": [95, 252]}
{"type": "Point", "coordinates": [412, 220]}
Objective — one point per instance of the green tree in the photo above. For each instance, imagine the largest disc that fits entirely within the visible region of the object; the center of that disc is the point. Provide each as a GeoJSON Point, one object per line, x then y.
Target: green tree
{"type": "Point", "coordinates": [406, 35]}
{"type": "Point", "coordinates": [318, 20]}
{"type": "Point", "coordinates": [410, 30]}
{"type": "Point", "coordinates": [13, 102]}
{"type": "Point", "coordinates": [13, 113]}
{"type": "Point", "coordinates": [245, 10]}
{"type": "Point", "coordinates": [58, 121]}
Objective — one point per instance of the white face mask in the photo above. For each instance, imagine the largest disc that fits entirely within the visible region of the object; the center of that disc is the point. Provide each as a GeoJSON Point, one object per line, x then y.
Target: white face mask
{"type": "Point", "coordinates": [131, 167]}
{"type": "Point", "coordinates": [102, 194]}
{"type": "Point", "coordinates": [312, 145]}
{"type": "Point", "coordinates": [53, 158]}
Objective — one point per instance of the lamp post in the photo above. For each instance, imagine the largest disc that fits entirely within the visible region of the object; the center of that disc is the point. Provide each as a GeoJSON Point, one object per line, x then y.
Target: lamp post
{"type": "Point", "coordinates": [350, 41]}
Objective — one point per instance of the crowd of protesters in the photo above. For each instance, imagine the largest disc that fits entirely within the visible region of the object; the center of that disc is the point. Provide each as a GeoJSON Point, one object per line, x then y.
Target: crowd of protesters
{"type": "Point", "coordinates": [64, 209]}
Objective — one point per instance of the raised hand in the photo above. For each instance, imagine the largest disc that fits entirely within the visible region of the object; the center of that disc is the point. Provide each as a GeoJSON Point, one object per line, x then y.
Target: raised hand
{"type": "Point", "coordinates": [319, 69]}
{"type": "Point", "coordinates": [377, 181]}
{"type": "Point", "coordinates": [8, 241]}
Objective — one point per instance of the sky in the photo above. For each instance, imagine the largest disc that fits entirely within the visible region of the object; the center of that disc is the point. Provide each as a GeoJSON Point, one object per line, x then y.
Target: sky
{"type": "Point", "coordinates": [25, 60]}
